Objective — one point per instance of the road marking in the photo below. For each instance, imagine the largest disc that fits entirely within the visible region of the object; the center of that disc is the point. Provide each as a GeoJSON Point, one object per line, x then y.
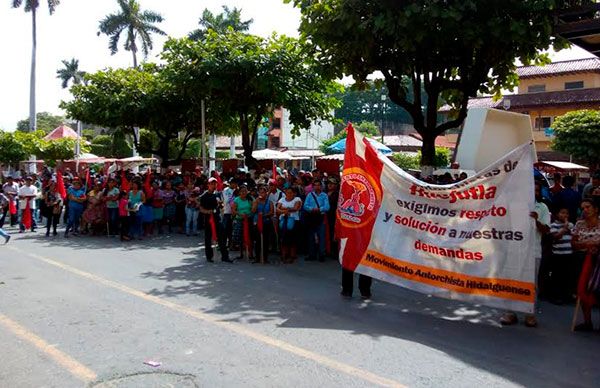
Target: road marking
{"type": "Point", "coordinates": [230, 326]}
{"type": "Point", "coordinates": [74, 367]}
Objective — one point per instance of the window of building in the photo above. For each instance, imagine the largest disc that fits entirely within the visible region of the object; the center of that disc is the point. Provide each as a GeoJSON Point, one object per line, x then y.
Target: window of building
{"type": "Point", "coordinates": [276, 123]}
{"type": "Point", "coordinates": [542, 122]}
{"type": "Point", "coordinates": [536, 88]}
{"type": "Point", "coordinates": [574, 85]}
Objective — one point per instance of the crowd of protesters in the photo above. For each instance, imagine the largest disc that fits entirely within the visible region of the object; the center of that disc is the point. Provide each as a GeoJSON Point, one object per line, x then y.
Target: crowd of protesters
{"type": "Point", "coordinates": [258, 218]}
{"type": "Point", "coordinates": [277, 216]}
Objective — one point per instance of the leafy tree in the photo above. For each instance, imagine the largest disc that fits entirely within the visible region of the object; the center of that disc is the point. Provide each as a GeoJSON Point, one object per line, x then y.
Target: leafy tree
{"type": "Point", "coordinates": [11, 149]}
{"type": "Point", "coordinates": [451, 49]}
{"type": "Point", "coordinates": [46, 122]}
{"type": "Point", "coordinates": [137, 25]}
{"type": "Point", "coordinates": [366, 128]}
{"type": "Point", "coordinates": [101, 145]}
{"type": "Point", "coordinates": [70, 72]}
{"type": "Point", "coordinates": [246, 76]}
{"type": "Point", "coordinates": [229, 18]}
{"type": "Point", "coordinates": [365, 104]}
{"type": "Point", "coordinates": [59, 149]}
{"type": "Point", "coordinates": [406, 162]}
{"type": "Point", "coordinates": [578, 134]}
{"type": "Point", "coordinates": [139, 97]}
{"type": "Point", "coordinates": [32, 6]}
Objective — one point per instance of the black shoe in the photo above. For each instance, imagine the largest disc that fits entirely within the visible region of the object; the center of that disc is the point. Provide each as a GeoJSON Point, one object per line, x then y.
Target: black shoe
{"type": "Point", "coordinates": [47, 234]}
{"type": "Point", "coordinates": [210, 260]}
{"type": "Point", "coordinates": [346, 295]}
{"type": "Point", "coordinates": [6, 240]}
{"type": "Point", "coordinates": [227, 260]}
{"type": "Point", "coordinates": [584, 327]}
{"type": "Point", "coordinates": [310, 258]}
{"type": "Point", "coordinates": [54, 233]}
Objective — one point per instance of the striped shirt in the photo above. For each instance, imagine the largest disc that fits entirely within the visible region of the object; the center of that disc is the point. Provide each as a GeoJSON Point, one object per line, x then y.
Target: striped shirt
{"type": "Point", "coordinates": [561, 245]}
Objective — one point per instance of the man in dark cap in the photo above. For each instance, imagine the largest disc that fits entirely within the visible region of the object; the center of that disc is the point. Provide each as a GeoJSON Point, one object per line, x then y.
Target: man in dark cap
{"type": "Point", "coordinates": [210, 207]}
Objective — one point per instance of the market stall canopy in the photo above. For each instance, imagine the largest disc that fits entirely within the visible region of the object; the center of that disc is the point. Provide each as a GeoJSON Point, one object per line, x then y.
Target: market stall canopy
{"type": "Point", "coordinates": [556, 166]}
{"type": "Point", "coordinates": [62, 132]}
{"type": "Point", "coordinates": [339, 157]}
{"type": "Point", "coordinates": [135, 161]}
{"type": "Point", "coordinates": [340, 146]}
{"type": "Point", "coordinates": [268, 154]}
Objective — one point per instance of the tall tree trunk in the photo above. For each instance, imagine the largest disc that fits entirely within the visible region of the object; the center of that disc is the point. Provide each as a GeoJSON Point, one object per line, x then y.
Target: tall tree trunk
{"type": "Point", "coordinates": [427, 153]}
{"type": "Point", "coordinates": [32, 112]}
{"type": "Point", "coordinates": [135, 64]}
{"type": "Point", "coordinates": [250, 162]}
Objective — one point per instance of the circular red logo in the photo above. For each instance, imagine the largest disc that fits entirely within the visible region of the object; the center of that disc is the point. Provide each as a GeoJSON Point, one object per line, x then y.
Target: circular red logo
{"type": "Point", "coordinates": [359, 198]}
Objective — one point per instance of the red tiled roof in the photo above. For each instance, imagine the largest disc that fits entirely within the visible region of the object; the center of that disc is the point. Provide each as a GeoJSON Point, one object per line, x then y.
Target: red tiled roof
{"type": "Point", "coordinates": [585, 65]}
{"type": "Point", "coordinates": [61, 132]}
{"type": "Point", "coordinates": [578, 97]}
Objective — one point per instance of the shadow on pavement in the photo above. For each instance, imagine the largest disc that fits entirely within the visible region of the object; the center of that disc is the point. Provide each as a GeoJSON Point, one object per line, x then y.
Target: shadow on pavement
{"type": "Point", "coordinates": [306, 295]}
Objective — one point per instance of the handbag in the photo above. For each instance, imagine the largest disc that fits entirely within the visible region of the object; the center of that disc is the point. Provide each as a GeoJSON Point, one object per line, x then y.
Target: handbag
{"type": "Point", "coordinates": [314, 219]}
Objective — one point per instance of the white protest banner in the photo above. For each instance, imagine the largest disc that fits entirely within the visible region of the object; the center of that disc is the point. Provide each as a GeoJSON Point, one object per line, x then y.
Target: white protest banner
{"type": "Point", "coordinates": [472, 240]}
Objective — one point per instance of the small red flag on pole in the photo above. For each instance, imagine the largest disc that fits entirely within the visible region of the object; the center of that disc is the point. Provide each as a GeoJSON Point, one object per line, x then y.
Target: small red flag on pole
{"type": "Point", "coordinates": [259, 223]}
{"type": "Point", "coordinates": [247, 241]}
{"type": "Point", "coordinates": [147, 185]}
{"type": "Point", "coordinates": [27, 215]}
{"type": "Point", "coordinates": [60, 185]}
{"type": "Point", "coordinates": [213, 227]}
{"type": "Point", "coordinates": [219, 181]}
{"type": "Point", "coordinates": [124, 182]}
{"type": "Point", "coordinates": [274, 170]}
{"type": "Point", "coordinates": [12, 208]}
{"type": "Point", "coordinates": [87, 179]}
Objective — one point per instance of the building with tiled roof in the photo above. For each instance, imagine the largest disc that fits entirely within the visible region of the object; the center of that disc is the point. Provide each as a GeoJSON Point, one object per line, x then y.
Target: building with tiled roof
{"type": "Point", "coordinates": [547, 92]}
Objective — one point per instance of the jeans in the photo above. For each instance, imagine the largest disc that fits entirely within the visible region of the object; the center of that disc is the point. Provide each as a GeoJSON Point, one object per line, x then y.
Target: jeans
{"type": "Point", "coordinates": [3, 233]}
{"type": "Point", "coordinates": [113, 220]}
{"type": "Point", "coordinates": [33, 224]}
{"type": "Point", "coordinates": [135, 227]}
{"type": "Point", "coordinates": [75, 213]}
{"type": "Point", "coordinates": [191, 218]}
{"type": "Point", "coordinates": [316, 237]}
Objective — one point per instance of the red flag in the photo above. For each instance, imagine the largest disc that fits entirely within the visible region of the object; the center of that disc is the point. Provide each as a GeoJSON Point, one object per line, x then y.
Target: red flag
{"type": "Point", "coordinates": [213, 227]}
{"type": "Point", "coordinates": [147, 184]}
{"type": "Point", "coordinates": [27, 216]}
{"type": "Point", "coordinates": [219, 181]}
{"type": "Point", "coordinates": [87, 179]}
{"type": "Point", "coordinates": [60, 185]}
{"type": "Point", "coordinates": [12, 208]}
{"type": "Point", "coordinates": [274, 171]}
{"type": "Point", "coordinates": [361, 164]}
{"type": "Point", "coordinates": [247, 241]}
{"type": "Point", "coordinates": [586, 296]}
{"type": "Point", "coordinates": [259, 223]}
{"type": "Point", "coordinates": [124, 182]}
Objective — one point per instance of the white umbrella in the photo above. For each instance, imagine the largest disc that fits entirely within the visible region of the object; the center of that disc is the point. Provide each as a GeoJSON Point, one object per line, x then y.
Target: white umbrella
{"type": "Point", "coordinates": [267, 154]}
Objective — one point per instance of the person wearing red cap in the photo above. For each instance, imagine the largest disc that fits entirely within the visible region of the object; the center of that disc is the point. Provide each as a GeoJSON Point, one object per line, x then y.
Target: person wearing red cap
{"type": "Point", "coordinates": [210, 207]}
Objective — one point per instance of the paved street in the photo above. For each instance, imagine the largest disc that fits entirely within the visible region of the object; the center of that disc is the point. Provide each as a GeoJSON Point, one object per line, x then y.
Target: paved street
{"type": "Point", "coordinates": [90, 311]}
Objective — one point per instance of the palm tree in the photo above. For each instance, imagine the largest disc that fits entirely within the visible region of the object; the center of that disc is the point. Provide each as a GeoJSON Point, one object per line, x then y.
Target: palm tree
{"type": "Point", "coordinates": [136, 23]}
{"type": "Point", "coordinates": [70, 72]}
{"type": "Point", "coordinates": [32, 6]}
{"type": "Point", "coordinates": [221, 22]}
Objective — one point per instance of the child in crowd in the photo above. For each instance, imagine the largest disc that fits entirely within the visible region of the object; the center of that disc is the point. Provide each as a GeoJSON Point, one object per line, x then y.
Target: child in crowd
{"type": "Point", "coordinates": [562, 265]}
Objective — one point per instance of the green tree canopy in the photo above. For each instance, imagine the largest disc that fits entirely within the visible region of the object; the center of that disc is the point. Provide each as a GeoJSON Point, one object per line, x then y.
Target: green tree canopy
{"type": "Point", "coordinates": [221, 23]}
{"type": "Point", "coordinates": [367, 128]}
{"type": "Point", "coordinates": [578, 134]}
{"type": "Point", "coordinates": [46, 122]}
{"type": "Point", "coordinates": [17, 146]}
{"type": "Point", "coordinates": [451, 49]}
{"type": "Point", "coordinates": [135, 23]}
{"type": "Point", "coordinates": [246, 77]}
{"type": "Point", "coordinates": [11, 149]}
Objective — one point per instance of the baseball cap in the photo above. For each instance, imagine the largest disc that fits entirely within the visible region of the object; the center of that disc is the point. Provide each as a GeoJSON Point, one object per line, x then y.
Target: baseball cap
{"type": "Point", "coordinates": [210, 180]}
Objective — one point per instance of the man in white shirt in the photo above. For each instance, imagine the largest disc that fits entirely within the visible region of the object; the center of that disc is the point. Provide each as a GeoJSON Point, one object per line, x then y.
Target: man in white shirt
{"type": "Point", "coordinates": [27, 193]}
{"type": "Point", "coordinates": [274, 195]}
{"type": "Point", "coordinates": [228, 197]}
{"type": "Point", "coordinates": [11, 190]}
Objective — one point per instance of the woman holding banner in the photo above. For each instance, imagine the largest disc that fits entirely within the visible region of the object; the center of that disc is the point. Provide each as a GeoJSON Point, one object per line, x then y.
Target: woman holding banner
{"type": "Point", "coordinates": [586, 237]}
